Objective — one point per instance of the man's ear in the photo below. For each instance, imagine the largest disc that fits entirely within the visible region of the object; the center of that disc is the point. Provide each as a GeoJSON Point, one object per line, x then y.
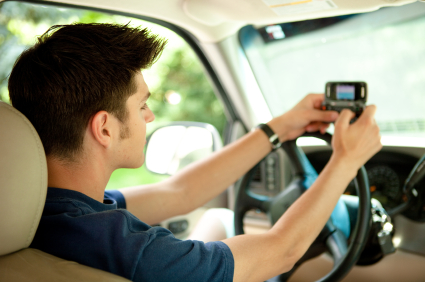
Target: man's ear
{"type": "Point", "coordinates": [101, 126]}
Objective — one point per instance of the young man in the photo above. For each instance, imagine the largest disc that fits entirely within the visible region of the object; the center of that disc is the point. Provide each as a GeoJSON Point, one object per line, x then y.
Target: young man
{"type": "Point", "coordinates": [82, 88]}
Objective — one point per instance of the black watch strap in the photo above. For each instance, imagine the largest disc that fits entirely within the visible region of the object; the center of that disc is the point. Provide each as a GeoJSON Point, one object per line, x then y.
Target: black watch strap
{"type": "Point", "coordinates": [273, 138]}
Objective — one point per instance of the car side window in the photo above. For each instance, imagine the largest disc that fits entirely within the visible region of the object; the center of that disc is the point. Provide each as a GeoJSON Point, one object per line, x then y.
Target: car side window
{"type": "Point", "coordinates": [179, 86]}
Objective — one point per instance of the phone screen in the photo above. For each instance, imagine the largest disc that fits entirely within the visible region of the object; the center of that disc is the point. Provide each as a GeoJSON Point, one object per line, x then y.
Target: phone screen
{"type": "Point", "coordinates": [345, 92]}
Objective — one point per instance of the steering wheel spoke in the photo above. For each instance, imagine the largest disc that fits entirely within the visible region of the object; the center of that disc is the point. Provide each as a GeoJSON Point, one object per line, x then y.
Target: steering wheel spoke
{"type": "Point", "coordinates": [337, 246]}
{"type": "Point", "coordinates": [281, 202]}
{"type": "Point", "coordinates": [258, 201]}
{"type": "Point", "coordinates": [248, 201]}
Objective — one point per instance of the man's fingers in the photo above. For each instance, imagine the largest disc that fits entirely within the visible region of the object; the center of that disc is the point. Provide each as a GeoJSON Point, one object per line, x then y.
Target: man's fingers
{"type": "Point", "coordinates": [369, 112]}
{"type": "Point", "coordinates": [313, 127]}
{"type": "Point", "coordinates": [317, 100]}
{"type": "Point", "coordinates": [317, 126]}
{"type": "Point", "coordinates": [323, 116]}
{"type": "Point", "coordinates": [344, 118]}
{"type": "Point", "coordinates": [323, 128]}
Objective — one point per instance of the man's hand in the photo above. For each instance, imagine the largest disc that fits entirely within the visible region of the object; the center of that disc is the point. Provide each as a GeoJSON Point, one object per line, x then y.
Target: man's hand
{"type": "Point", "coordinates": [305, 116]}
{"type": "Point", "coordinates": [358, 142]}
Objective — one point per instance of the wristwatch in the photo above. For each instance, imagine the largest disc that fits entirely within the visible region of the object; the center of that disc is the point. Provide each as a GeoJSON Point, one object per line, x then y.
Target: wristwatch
{"type": "Point", "coordinates": [273, 138]}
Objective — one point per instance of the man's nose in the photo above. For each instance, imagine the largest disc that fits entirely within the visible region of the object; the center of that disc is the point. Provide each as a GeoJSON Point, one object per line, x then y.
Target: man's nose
{"type": "Point", "coordinates": [150, 117]}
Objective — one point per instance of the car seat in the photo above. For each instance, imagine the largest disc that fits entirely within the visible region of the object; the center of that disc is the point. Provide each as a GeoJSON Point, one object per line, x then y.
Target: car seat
{"type": "Point", "coordinates": [23, 186]}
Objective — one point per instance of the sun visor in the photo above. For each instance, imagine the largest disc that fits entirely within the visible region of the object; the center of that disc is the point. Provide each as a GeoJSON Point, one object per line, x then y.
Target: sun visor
{"type": "Point", "coordinates": [261, 12]}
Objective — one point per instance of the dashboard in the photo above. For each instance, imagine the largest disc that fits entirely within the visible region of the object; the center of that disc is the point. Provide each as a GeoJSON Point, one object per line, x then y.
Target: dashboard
{"type": "Point", "coordinates": [387, 172]}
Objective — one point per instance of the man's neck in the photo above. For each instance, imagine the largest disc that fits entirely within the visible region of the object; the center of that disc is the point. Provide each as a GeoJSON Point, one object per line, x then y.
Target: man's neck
{"type": "Point", "coordinates": [87, 176]}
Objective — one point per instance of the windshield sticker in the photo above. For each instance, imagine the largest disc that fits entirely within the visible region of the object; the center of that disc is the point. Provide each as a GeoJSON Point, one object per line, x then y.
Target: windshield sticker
{"type": "Point", "coordinates": [291, 7]}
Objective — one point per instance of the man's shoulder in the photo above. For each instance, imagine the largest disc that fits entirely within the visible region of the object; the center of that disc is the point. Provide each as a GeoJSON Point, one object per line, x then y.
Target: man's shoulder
{"type": "Point", "coordinates": [116, 241]}
{"type": "Point", "coordinates": [75, 228]}
{"type": "Point", "coordinates": [79, 211]}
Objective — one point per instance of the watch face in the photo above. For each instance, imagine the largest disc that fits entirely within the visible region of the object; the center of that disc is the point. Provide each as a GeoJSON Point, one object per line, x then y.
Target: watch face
{"type": "Point", "coordinates": [274, 139]}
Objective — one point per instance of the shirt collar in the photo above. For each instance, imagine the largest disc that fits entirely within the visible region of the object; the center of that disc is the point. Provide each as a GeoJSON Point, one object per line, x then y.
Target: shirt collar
{"type": "Point", "coordinates": [61, 193]}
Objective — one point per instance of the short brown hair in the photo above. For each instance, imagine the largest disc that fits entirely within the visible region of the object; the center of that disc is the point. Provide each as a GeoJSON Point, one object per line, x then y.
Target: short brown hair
{"type": "Point", "coordinates": [75, 71]}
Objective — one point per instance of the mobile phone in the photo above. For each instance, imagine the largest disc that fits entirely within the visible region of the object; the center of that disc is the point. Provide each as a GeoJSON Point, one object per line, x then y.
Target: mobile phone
{"type": "Point", "coordinates": [345, 95]}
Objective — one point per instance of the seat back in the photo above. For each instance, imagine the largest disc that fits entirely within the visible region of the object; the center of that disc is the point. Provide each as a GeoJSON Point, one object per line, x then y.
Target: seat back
{"type": "Point", "coordinates": [23, 180]}
{"type": "Point", "coordinates": [23, 186]}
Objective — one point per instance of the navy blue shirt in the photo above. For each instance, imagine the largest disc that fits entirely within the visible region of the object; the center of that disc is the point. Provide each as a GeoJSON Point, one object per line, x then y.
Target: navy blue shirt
{"type": "Point", "coordinates": [106, 236]}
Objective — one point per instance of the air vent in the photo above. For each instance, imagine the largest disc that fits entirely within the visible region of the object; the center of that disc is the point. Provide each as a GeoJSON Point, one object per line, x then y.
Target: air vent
{"type": "Point", "coordinates": [257, 175]}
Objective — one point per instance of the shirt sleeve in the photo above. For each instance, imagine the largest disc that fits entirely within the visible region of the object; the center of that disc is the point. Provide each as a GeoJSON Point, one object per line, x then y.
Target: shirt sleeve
{"type": "Point", "coordinates": [166, 258]}
{"type": "Point", "coordinates": [117, 196]}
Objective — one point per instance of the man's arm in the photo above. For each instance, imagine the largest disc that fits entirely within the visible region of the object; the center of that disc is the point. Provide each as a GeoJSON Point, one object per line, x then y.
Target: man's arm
{"type": "Point", "coordinates": [200, 182]}
{"type": "Point", "coordinates": [260, 257]}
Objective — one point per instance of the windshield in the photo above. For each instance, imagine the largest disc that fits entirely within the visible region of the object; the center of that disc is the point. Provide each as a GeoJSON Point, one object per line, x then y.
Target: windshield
{"type": "Point", "coordinates": [385, 49]}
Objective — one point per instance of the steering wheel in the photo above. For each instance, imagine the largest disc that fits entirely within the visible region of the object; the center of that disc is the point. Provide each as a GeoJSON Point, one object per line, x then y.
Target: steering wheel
{"type": "Point", "coordinates": [344, 248]}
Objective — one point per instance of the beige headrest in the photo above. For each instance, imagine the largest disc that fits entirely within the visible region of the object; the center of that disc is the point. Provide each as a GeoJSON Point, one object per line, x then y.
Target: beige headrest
{"type": "Point", "coordinates": [23, 180]}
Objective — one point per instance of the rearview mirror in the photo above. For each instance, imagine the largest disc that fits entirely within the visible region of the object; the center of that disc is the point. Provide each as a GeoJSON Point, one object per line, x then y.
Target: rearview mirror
{"type": "Point", "coordinates": [172, 147]}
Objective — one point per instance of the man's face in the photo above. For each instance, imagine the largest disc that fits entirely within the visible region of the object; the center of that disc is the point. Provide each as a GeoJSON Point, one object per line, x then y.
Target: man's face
{"type": "Point", "coordinates": [133, 132]}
